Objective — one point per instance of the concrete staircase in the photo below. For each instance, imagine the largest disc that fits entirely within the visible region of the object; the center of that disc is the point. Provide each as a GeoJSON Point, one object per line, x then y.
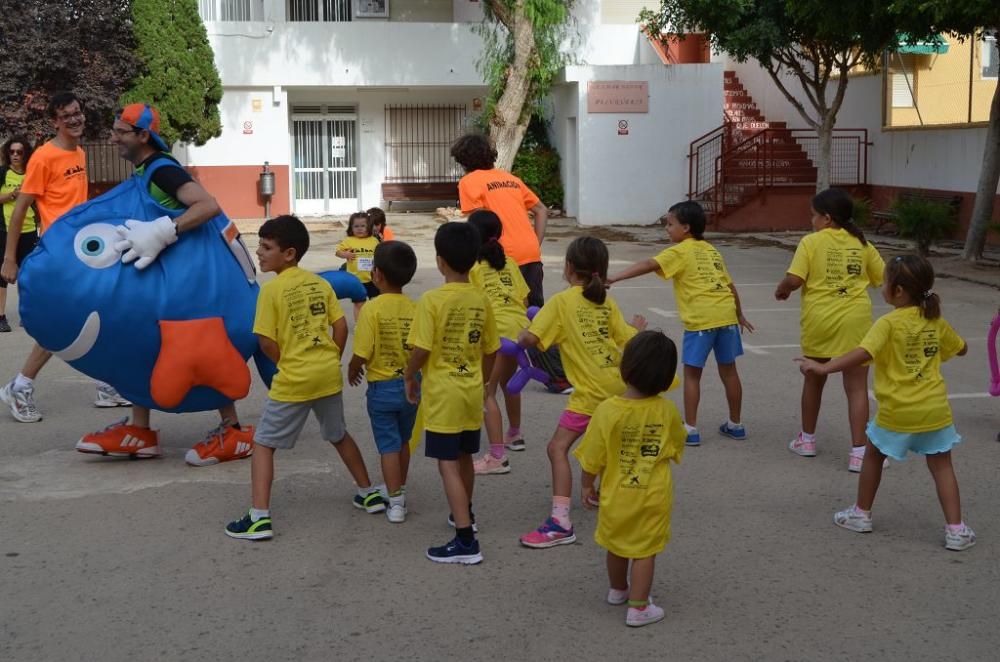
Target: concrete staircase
{"type": "Point", "coordinates": [786, 162]}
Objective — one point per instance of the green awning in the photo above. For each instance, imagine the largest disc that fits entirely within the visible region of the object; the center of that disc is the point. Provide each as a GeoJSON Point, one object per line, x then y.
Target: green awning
{"type": "Point", "coordinates": [936, 45]}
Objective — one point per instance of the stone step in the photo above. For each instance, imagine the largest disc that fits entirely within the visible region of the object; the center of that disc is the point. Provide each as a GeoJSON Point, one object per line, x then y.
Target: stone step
{"type": "Point", "coordinates": [774, 161]}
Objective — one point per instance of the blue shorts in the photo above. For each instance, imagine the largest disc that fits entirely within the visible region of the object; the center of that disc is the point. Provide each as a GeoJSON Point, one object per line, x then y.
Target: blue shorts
{"type": "Point", "coordinates": [724, 340]}
{"type": "Point", "coordinates": [896, 444]}
{"type": "Point", "coordinates": [391, 415]}
{"type": "Point", "coordinates": [448, 445]}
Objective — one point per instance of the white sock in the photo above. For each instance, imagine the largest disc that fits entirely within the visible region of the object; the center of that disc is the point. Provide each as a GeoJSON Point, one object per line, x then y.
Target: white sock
{"type": "Point", "coordinates": [21, 382]}
{"type": "Point", "coordinates": [690, 428]}
{"type": "Point", "coordinates": [807, 437]}
{"type": "Point", "coordinates": [256, 514]}
{"type": "Point", "coordinates": [397, 501]}
{"type": "Point", "coordinates": [858, 451]}
{"type": "Point", "coordinates": [365, 491]}
{"type": "Point", "coordinates": [733, 425]}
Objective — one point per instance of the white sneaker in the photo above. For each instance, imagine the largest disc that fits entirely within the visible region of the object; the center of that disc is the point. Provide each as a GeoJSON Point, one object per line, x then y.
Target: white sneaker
{"type": "Point", "coordinates": [22, 403]}
{"type": "Point", "coordinates": [853, 519]}
{"type": "Point", "coordinates": [857, 459]}
{"type": "Point", "coordinates": [638, 617]}
{"type": "Point", "coordinates": [396, 513]}
{"type": "Point", "coordinates": [961, 539]}
{"type": "Point", "coordinates": [107, 396]}
{"type": "Point", "coordinates": [617, 596]}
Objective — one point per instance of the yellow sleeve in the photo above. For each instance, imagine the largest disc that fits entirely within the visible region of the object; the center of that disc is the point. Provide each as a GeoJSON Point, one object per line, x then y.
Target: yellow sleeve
{"type": "Point", "coordinates": [621, 331]}
{"type": "Point", "coordinates": [593, 450]}
{"type": "Point", "coordinates": [724, 274]}
{"type": "Point", "coordinates": [490, 341]}
{"type": "Point", "coordinates": [476, 274]}
{"type": "Point", "coordinates": [364, 333]}
{"type": "Point", "coordinates": [874, 266]}
{"type": "Point", "coordinates": [422, 328]}
{"type": "Point", "coordinates": [333, 310]}
{"type": "Point", "coordinates": [265, 321]}
{"type": "Point", "coordinates": [800, 261]}
{"type": "Point", "coordinates": [547, 324]}
{"type": "Point", "coordinates": [669, 262]}
{"type": "Point", "coordinates": [877, 337]}
{"type": "Point", "coordinates": [951, 342]}
{"type": "Point", "coordinates": [677, 434]}
{"type": "Point", "coordinates": [521, 289]}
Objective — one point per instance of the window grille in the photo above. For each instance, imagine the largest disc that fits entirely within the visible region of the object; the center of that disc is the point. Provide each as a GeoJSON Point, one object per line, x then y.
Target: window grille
{"type": "Point", "coordinates": [319, 10]}
{"type": "Point", "coordinates": [418, 141]}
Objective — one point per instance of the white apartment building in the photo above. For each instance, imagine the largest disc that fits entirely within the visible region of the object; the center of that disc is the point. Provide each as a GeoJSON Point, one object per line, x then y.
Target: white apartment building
{"type": "Point", "coordinates": [344, 97]}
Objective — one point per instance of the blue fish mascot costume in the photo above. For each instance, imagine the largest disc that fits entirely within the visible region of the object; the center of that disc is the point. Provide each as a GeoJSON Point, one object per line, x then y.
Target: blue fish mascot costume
{"type": "Point", "coordinates": [174, 334]}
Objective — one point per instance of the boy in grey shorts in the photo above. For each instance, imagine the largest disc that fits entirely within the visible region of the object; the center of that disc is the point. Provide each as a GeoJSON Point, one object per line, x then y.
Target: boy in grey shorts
{"type": "Point", "coordinates": [295, 313]}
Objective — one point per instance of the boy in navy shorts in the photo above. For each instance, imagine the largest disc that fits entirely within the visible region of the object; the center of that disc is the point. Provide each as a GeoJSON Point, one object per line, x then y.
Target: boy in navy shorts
{"type": "Point", "coordinates": [455, 340]}
{"type": "Point", "coordinates": [295, 315]}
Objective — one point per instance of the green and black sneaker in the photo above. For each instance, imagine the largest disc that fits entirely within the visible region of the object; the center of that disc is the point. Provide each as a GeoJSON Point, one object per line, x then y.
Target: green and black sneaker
{"type": "Point", "coordinates": [247, 529]}
{"type": "Point", "coordinates": [371, 502]}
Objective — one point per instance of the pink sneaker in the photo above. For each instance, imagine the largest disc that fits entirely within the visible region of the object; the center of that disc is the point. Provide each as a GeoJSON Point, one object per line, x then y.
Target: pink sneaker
{"type": "Point", "coordinates": [548, 534]}
{"type": "Point", "coordinates": [800, 446]}
{"type": "Point", "coordinates": [638, 617]}
{"type": "Point", "coordinates": [858, 458]}
{"type": "Point", "coordinates": [488, 464]}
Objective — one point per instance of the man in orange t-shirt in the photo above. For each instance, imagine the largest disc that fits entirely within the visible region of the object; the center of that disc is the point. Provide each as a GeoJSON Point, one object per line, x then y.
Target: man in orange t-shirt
{"type": "Point", "coordinates": [55, 182]}
{"type": "Point", "coordinates": [487, 187]}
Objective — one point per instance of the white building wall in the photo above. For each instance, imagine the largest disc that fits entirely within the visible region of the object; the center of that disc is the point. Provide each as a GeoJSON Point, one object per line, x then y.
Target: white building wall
{"type": "Point", "coordinates": [942, 159]}
{"type": "Point", "coordinates": [632, 179]}
{"type": "Point", "coordinates": [268, 140]}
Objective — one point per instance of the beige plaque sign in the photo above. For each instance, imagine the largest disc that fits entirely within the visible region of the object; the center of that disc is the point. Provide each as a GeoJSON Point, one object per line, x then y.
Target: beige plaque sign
{"type": "Point", "coordinates": [617, 96]}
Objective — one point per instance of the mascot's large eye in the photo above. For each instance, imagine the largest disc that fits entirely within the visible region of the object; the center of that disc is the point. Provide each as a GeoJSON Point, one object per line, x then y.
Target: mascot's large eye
{"type": "Point", "coordinates": [94, 244]}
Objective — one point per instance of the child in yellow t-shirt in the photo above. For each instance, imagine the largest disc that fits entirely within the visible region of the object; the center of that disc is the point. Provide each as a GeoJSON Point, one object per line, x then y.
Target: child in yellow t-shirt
{"type": "Point", "coordinates": [358, 248]}
{"type": "Point", "coordinates": [589, 328]}
{"type": "Point", "coordinates": [500, 278]}
{"type": "Point", "coordinates": [907, 346]}
{"type": "Point", "coordinates": [454, 339]}
{"type": "Point", "coordinates": [709, 307]}
{"type": "Point", "coordinates": [630, 442]}
{"type": "Point", "coordinates": [380, 346]}
{"type": "Point", "coordinates": [834, 266]}
{"type": "Point", "coordinates": [295, 315]}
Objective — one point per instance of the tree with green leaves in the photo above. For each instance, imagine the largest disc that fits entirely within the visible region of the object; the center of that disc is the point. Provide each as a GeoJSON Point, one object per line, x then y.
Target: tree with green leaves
{"type": "Point", "coordinates": [84, 46]}
{"type": "Point", "coordinates": [523, 54]}
{"type": "Point", "coordinates": [966, 19]}
{"type": "Point", "coordinates": [813, 42]}
{"type": "Point", "coordinates": [178, 73]}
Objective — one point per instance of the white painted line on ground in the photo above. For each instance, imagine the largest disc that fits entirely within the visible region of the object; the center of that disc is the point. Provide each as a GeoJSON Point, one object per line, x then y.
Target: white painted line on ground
{"type": "Point", "coordinates": [755, 349]}
{"type": "Point", "coordinates": [664, 313]}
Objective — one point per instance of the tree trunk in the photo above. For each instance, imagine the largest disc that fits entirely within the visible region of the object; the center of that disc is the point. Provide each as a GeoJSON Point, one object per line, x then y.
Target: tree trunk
{"type": "Point", "coordinates": [510, 120]}
{"type": "Point", "coordinates": [824, 135]}
{"type": "Point", "coordinates": [989, 177]}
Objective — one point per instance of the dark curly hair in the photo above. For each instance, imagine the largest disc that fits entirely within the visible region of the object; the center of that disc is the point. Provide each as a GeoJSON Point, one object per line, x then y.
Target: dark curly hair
{"type": "Point", "coordinates": [473, 151]}
{"type": "Point", "coordinates": [5, 150]}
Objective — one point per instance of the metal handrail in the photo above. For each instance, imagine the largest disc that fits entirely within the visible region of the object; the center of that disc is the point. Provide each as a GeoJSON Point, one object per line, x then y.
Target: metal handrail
{"type": "Point", "coordinates": [715, 186]}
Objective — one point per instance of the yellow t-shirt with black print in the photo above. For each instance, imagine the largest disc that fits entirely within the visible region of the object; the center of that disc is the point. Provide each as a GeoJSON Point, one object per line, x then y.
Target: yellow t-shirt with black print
{"type": "Point", "coordinates": [908, 350]}
{"type": "Point", "coordinates": [296, 310]}
{"type": "Point", "coordinates": [455, 324]}
{"type": "Point", "coordinates": [590, 337]}
{"type": "Point", "coordinates": [630, 444]}
{"type": "Point", "coordinates": [364, 252]}
{"type": "Point", "coordinates": [381, 333]}
{"type": "Point", "coordinates": [837, 271]}
{"type": "Point", "coordinates": [507, 290]}
{"type": "Point", "coordinates": [701, 284]}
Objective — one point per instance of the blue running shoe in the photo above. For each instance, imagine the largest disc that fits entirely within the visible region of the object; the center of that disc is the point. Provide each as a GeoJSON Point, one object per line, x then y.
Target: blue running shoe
{"type": "Point", "coordinates": [693, 439]}
{"type": "Point", "coordinates": [737, 432]}
{"type": "Point", "coordinates": [456, 552]}
{"type": "Point", "coordinates": [371, 502]}
{"type": "Point", "coordinates": [247, 529]}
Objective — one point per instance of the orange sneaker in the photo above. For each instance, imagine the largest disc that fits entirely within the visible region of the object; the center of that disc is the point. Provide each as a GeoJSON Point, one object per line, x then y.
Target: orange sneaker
{"type": "Point", "coordinates": [121, 440]}
{"type": "Point", "coordinates": [222, 444]}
